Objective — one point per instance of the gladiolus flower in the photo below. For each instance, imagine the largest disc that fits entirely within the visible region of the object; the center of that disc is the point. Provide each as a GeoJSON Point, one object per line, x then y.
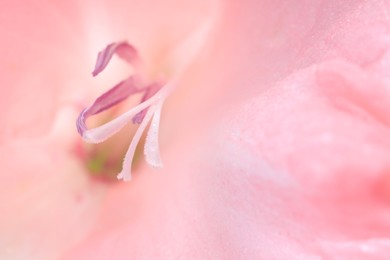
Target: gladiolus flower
{"type": "Point", "coordinates": [275, 136]}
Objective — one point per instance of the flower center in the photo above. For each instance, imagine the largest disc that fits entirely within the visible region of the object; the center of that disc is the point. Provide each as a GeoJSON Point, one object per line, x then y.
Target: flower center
{"type": "Point", "coordinates": [104, 160]}
{"type": "Point", "coordinates": [147, 111]}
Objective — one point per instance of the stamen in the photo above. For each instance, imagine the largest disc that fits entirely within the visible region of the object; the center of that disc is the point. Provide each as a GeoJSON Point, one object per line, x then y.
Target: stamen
{"type": "Point", "coordinates": [125, 174]}
{"type": "Point", "coordinates": [154, 95]}
{"type": "Point", "coordinates": [150, 106]}
{"type": "Point", "coordinates": [149, 92]}
{"type": "Point", "coordinates": [124, 50]}
{"type": "Point", "coordinates": [103, 132]}
{"type": "Point", "coordinates": [115, 95]}
{"type": "Point", "coordinates": [152, 151]}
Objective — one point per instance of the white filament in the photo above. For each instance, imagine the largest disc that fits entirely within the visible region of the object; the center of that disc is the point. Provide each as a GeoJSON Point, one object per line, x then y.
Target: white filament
{"type": "Point", "coordinates": [151, 149]}
{"type": "Point", "coordinates": [125, 174]}
{"type": "Point", "coordinates": [103, 132]}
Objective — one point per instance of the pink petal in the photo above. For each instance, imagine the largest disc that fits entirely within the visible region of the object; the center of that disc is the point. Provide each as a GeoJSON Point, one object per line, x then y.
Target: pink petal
{"type": "Point", "coordinates": [38, 70]}
{"type": "Point", "coordinates": [353, 84]}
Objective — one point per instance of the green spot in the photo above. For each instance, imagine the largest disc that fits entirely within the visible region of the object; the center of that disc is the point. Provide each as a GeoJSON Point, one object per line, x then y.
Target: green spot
{"type": "Point", "coordinates": [97, 163]}
{"type": "Point", "coordinates": [103, 164]}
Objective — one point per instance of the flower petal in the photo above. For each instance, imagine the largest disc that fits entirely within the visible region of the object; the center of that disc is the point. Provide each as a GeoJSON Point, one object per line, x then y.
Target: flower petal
{"type": "Point", "coordinates": [345, 84]}
{"type": "Point", "coordinates": [123, 49]}
{"type": "Point", "coordinates": [152, 151]}
{"type": "Point", "coordinates": [112, 97]}
{"type": "Point", "coordinates": [125, 174]}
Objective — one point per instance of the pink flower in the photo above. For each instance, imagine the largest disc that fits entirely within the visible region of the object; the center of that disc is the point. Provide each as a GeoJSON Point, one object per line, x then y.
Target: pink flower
{"type": "Point", "coordinates": [274, 140]}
